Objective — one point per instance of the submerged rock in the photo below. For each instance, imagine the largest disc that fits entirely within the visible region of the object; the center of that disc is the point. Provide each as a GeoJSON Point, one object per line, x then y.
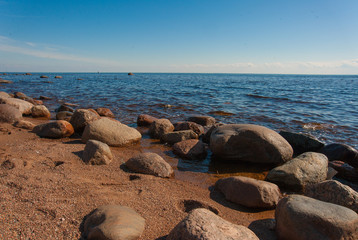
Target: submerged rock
{"type": "Point", "coordinates": [205, 121]}
{"type": "Point", "coordinates": [105, 112]}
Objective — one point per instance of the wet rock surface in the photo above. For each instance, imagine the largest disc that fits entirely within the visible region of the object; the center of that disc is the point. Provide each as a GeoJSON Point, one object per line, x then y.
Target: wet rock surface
{"type": "Point", "coordinates": [302, 143]}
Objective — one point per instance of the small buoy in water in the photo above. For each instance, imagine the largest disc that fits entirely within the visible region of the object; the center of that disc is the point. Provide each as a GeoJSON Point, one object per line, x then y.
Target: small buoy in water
{"type": "Point", "coordinates": [130, 74]}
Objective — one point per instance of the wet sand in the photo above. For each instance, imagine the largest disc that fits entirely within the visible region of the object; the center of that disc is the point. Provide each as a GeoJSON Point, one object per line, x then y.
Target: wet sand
{"type": "Point", "coordinates": [47, 190]}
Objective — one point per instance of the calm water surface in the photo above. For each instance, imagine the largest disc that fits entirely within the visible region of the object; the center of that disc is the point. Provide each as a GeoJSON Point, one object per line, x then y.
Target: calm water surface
{"type": "Point", "coordinates": [324, 106]}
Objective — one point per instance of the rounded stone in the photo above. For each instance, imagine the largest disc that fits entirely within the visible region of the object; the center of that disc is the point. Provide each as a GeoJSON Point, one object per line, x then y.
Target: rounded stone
{"type": "Point", "coordinates": [160, 127]}
{"type": "Point", "coordinates": [55, 129]}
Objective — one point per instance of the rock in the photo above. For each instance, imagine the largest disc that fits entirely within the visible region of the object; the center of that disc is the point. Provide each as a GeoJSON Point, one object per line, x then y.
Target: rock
{"type": "Point", "coordinates": [344, 170]}
{"type": "Point", "coordinates": [64, 115]}
{"type": "Point", "coordinates": [178, 136]}
{"type": "Point", "coordinates": [45, 98]}
{"type": "Point", "coordinates": [24, 124]}
{"type": "Point", "coordinates": [150, 163]}
{"type": "Point", "coordinates": [111, 132]}
{"type": "Point", "coordinates": [21, 95]}
{"type": "Point", "coordinates": [205, 121]}
{"type": "Point", "coordinates": [249, 143]}
{"type": "Point", "coordinates": [24, 106]}
{"type": "Point", "coordinates": [113, 222]}
{"type": "Point", "coordinates": [190, 149]}
{"type": "Point", "coordinates": [145, 120]}
{"type": "Point", "coordinates": [9, 113]}
{"type": "Point", "coordinates": [105, 112]}
{"type": "Point", "coordinates": [56, 129]}
{"type": "Point", "coordinates": [203, 224]}
{"type": "Point", "coordinates": [29, 74]}
{"type": "Point", "coordinates": [40, 111]}
{"type": "Point", "coordinates": [341, 152]}
{"type": "Point", "coordinates": [334, 192]}
{"type": "Point", "coordinates": [302, 143]}
{"type": "Point", "coordinates": [308, 168]}
{"type": "Point", "coordinates": [5, 81]}
{"type": "Point", "coordinates": [97, 153]}
{"type": "Point", "coordinates": [160, 127]}
{"type": "Point", "coordinates": [65, 108]}
{"type": "Point", "coordinates": [58, 76]}
{"type": "Point", "coordinates": [303, 218]}
{"type": "Point", "coordinates": [198, 129]}
{"type": "Point", "coordinates": [4, 95]}
{"type": "Point", "coordinates": [43, 76]}
{"type": "Point", "coordinates": [331, 172]}
{"type": "Point", "coordinates": [36, 102]}
{"type": "Point", "coordinates": [249, 192]}
{"type": "Point", "coordinates": [207, 135]}
{"type": "Point", "coordinates": [130, 74]}
{"type": "Point", "coordinates": [81, 118]}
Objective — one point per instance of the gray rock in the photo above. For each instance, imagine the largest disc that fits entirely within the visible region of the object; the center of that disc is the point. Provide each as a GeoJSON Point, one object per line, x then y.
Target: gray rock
{"type": "Point", "coordinates": [97, 153]}
{"type": "Point", "coordinates": [9, 113]}
{"type": "Point", "coordinates": [302, 143]}
{"type": "Point", "coordinates": [334, 192]}
{"type": "Point", "coordinates": [113, 222]}
{"type": "Point", "coordinates": [150, 163]}
{"type": "Point", "coordinates": [249, 192]}
{"type": "Point", "coordinates": [303, 218]}
{"type": "Point", "coordinates": [205, 121]}
{"type": "Point", "coordinates": [205, 225]}
{"type": "Point", "coordinates": [178, 136]}
{"type": "Point", "coordinates": [23, 106]}
{"type": "Point", "coordinates": [160, 127]}
{"type": "Point", "coordinates": [341, 152]}
{"type": "Point", "coordinates": [40, 111]}
{"type": "Point", "coordinates": [111, 132]}
{"type": "Point", "coordinates": [197, 128]}
{"type": "Point", "coordinates": [207, 135]}
{"type": "Point", "coordinates": [55, 129]}
{"type": "Point", "coordinates": [249, 143]}
{"type": "Point", "coordinates": [82, 117]}
{"type": "Point", "coordinates": [190, 149]}
{"type": "Point", "coordinates": [308, 168]}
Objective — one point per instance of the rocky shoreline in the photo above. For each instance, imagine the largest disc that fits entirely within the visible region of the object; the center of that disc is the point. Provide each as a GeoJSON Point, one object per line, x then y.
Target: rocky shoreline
{"type": "Point", "coordinates": [83, 176]}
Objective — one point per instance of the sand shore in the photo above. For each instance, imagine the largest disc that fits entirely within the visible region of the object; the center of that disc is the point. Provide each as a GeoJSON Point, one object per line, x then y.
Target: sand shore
{"type": "Point", "coordinates": [47, 190]}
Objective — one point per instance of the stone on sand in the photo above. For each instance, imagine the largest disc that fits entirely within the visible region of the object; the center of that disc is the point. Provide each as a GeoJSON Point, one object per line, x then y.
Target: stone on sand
{"type": "Point", "coordinates": [97, 153]}
{"type": "Point", "coordinates": [55, 129]}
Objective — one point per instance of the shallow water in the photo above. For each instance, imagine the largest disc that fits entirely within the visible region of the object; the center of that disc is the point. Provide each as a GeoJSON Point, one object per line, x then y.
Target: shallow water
{"type": "Point", "coordinates": [324, 106]}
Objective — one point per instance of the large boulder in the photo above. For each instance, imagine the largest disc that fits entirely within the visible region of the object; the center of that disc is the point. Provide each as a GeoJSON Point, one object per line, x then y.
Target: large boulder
{"type": "Point", "coordinates": [160, 127]}
{"type": "Point", "coordinates": [205, 121]}
{"type": "Point", "coordinates": [203, 224]}
{"type": "Point", "coordinates": [249, 143]}
{"type": "Point", "coordinates": [197, 128]}
{"type": "Point", "coordinates": [55, 129]}
{"type": "Point", "coordinates": [249, 192]}
{"type": "Point", "coordinates": [178, 136]}
{"type": "Point", "coordinates": [113, 222]}
{"type": "Point", "coordinates": [82, 117]}
{"type": "Point", "coordinates": [308, 168]}
{"type": "Point", "coordinates": [145, 120]}
{"type": "Point", "coordinates": [190, 149]}
{"type": "Point", "coordinates": [150, 163]}
{"type": "Point", "coordinates": [40, 111]}
{"type": "Point", "coordinates": [9, 113]}
{"type": "Point", "coordinates": [334, 192]}
{"type": "Point", "coordinates": [302, 143]}
{"type": "Point", "coordinates": [23, 106]}
{"type": "Point", "coordinates": [207, 135]}
{"type": "Point", "coordinates": [4, 95]}
{"type": "Point", "coordinates": [111, 132]}
{"type": "Point", "coordinates": [341, 152]}
{"type": "Point", "coordinates": [303, 218]}
{"type": "Point", "coordinates": [97, 153]}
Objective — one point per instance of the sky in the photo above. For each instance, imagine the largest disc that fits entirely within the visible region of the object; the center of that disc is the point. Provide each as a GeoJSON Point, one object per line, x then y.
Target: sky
{"type": "Point", "coordinates": [205, 36]}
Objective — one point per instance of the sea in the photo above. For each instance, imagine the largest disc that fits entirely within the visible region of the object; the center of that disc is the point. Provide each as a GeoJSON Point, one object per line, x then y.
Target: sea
{"type": "Point", "coordinates": [325, 106]}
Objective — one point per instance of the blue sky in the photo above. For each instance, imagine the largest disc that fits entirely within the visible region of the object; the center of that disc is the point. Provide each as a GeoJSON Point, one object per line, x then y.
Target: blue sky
{"type": "Point", "coordinates": [256, 36]}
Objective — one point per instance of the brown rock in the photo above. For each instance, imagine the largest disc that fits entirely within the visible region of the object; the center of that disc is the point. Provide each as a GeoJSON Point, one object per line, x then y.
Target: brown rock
{"type": "Point", "coordinates": [105, 112]}
{"type": "Point", "coordinates": [198, 129]}
{"type": "Point", "coordinates": [81, 118]}
{"type": "Point", "coordinates": [64, 115]}
{"type": "Point", "coordinates": [205, 121]}
{"type": "Point", "coordinates": [334, 192]}
{"type": "Point", "coordinates": [178, 136]}
{"type": "Point", "coordinates": [301, 218]}
{"type": "Point", "coordinates": [4, 95]}
{"type": "Point", "coordinates": [45, 98]}
{"type": "Point", "coordinates": [24, 106]}
{"type": "Point", "coordinates": [28, 74]}
{"type": "Point", "coordinates": [249, 143]}
{"type": "Point", "coordinates": [249, 192]}
{"type": "Point", "coordinates": [56, 129]}
{"type": "Point", "coordinates": [150, 163]}
{"type": "Point", "coordinates": [5, 81]}
{"type": "Point", "coordinates": [65, 108]}
{"type": "Point", "coordinates": [145, 120]}
{"type": "Point", "coordinates": [97, 153]}
{"type": "Point", "coordinates": [40, 111]}
{"type": "Point", "coordinates": [341, 152]}
{"type": "Point", "coordinates": [113, 222]}
{"type": "Point", "coordinates": [160, 127]}
{"type": "Point", "coordinates": [43, 76]}
{"type": "Point", "coordinates": [203, 224]}
{"type": "Point", "coordinates": [24, 124]}
{"type": "Point", "coordinates": [58, 76]}
{"type": "Point", "coordinates": [9, 113]}
{"type": "Point", "coordinates": [130, 74]}
{"type": "Point", "coordinates": [190, 149]}
{"type": "Point", "coordinates": [21, 95]}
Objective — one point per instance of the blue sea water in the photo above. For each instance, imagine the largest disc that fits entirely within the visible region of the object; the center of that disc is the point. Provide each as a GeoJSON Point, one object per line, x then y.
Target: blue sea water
{"type": "Point", "coordinates": [322, 105]}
